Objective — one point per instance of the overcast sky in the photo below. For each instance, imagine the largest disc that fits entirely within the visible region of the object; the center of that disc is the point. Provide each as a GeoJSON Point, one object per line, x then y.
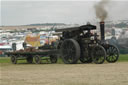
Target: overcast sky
{"type": "Point", "coordinates": [29, 12]}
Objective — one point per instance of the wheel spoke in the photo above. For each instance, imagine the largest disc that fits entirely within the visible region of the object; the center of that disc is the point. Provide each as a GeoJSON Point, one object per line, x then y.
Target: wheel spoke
{"type": "Point", "coordinates": [112, 54]}
{"type": "Point", "coordinates": [69, 49]}
{"type": "Point", "coordinates": [98, 54]}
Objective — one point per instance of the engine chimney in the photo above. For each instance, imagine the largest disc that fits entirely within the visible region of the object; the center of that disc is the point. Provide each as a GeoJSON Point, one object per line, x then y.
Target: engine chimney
{"type": "Point", "coordinates": [102, 31]}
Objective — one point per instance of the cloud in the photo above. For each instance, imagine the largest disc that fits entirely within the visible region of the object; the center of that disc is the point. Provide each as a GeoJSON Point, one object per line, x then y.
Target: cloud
{"type": "Point", "coordinates": [28, 12]}
{"type": "Point", "coordinates": [35, 12]}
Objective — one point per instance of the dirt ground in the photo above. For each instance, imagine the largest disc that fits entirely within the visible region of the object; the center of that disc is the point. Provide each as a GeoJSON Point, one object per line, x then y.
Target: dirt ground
{"type": "Point", "coordinates": [64, 74]}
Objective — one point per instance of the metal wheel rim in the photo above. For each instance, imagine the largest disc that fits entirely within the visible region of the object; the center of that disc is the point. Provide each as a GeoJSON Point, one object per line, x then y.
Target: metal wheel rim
{"type": "Point", "coordinates": [13, 60]}
{"type": "Point", "coordinates": [98, 55]}
{"type": "Point", "coordinates": [37, 59]}
{"type": "Point", "coordinates": [68, 51]}
{"type": "Point", "coordinates": [112, 54]}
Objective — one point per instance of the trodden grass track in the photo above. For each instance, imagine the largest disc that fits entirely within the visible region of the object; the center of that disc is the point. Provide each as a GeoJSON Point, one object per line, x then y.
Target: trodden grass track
{"type": "Point", "coordinates": [64, 74]}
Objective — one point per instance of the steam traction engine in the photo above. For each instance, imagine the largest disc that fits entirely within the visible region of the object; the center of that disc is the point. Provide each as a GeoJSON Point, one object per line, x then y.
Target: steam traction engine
{"type": "Point", "coordinates": [78, 43]}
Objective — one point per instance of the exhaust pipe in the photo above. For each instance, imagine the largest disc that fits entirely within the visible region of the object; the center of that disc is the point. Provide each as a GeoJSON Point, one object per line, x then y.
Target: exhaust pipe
{"type": "Point", "coordinates": [102, 30]}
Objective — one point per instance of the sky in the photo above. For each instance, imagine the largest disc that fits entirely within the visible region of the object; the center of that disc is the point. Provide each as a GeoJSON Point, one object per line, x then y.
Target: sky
{"type": "Point", "coordinates": [17, 12]}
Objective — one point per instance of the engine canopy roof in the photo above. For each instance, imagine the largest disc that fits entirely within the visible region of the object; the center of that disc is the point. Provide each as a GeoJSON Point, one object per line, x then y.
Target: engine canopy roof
{"type": "Point", "coordinates": [83, 27]}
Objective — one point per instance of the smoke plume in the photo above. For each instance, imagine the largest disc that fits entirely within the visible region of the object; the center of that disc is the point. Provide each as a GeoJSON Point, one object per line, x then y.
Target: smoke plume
{"type": "Point", "coordinates": [101, 12]}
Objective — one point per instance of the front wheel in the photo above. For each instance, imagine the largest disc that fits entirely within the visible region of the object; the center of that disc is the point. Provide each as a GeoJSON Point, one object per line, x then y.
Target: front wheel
{"type": "Point", "coordinates": [98, 54]}
{"type": "Point", "coordinates": [112, 54]}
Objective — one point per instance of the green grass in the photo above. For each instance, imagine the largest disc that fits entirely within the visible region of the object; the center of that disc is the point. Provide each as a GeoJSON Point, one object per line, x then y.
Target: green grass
{"type": "Point", "coordinates": [4, 60]}
{"type": "Point", "coordinates": [122, 58]}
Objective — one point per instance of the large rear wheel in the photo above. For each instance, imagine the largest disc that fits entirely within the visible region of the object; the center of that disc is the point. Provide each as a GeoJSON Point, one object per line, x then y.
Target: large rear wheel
{"type": "Point", "coordinates": [70, 51]}
{"type": "Point", "coordinates": [98, 54]}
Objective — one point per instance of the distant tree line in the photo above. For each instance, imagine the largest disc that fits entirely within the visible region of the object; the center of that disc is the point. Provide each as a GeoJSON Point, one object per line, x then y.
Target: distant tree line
{"type": "Point", "coordinates": [47, 24]}
{"type": "Point", "coordinates": [119, 25]}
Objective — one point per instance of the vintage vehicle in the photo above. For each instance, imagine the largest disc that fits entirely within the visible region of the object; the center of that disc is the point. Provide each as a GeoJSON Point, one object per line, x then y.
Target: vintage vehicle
{"type": "Point", "coordinates": [30, 54]}
{"type": "Point", "coordinates": [75, 43]}
{"type": "Point", "coordinates": [78, 43]}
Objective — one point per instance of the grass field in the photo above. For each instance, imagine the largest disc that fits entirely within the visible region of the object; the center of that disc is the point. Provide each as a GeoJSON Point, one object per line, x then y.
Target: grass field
{"type": "Point", "coordinates": [64, 74]}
